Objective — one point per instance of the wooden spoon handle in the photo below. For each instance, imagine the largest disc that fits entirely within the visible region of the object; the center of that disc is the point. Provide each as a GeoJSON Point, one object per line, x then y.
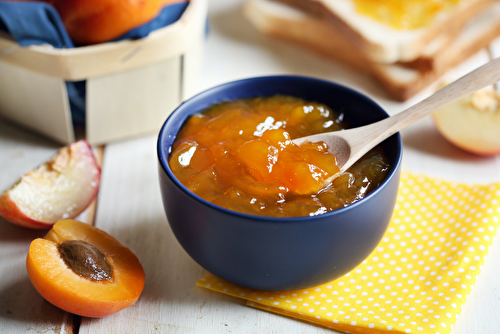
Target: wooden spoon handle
{"type": "Point", "coordinates": [483, 76]}
{"type": "Point", "coordinates": [362, 139]}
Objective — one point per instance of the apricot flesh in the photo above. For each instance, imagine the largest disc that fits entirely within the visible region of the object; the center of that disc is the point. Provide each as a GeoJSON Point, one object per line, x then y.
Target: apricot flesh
{"type": "Point", "coordinates": [71, 291]}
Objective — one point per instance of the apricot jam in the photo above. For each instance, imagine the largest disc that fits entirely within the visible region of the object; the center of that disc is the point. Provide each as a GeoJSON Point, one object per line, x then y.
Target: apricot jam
{"type": "Point", "coordinates": [239, 155]}
{"type": "Point", "coordinates": [404, 14]}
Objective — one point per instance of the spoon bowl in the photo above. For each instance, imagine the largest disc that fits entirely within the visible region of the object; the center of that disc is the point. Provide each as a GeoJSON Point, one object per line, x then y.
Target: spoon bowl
{"type": "Point", "coordinates": [350, 145]}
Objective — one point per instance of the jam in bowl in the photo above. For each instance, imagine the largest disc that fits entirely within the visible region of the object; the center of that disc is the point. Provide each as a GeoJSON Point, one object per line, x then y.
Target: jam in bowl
{"type": "Point", "coordinates": [267, 246]}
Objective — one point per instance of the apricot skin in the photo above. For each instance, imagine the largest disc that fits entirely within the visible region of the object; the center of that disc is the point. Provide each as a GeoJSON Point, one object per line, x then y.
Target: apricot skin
{"type": "Point", "coordinates": [92, 22]}
{"type": "Point", "coordinates": [99, 21]}
{"type": "Point", "coordinates": [62, 187]}
{"type": "Point", "coordinates": [63, 288]}
{"type": "Point", "coordinates": [12, 213]}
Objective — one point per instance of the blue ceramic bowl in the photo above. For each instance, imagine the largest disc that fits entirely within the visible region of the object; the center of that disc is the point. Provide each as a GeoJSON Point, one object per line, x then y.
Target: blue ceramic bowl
{"type": "Point", "coordinates": [278, 253]}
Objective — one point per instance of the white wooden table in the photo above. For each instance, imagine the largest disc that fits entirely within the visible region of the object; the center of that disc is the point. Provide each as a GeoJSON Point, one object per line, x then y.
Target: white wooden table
{"type": "Point", "coordinates": [129, 206]}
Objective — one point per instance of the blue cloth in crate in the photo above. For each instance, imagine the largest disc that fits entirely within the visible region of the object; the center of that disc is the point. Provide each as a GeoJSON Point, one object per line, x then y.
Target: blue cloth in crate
{"type": "Point", "coordinates": [33, 23]}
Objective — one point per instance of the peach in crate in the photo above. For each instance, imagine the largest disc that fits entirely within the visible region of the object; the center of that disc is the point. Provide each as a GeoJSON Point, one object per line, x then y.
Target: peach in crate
{"type": "Point", "coordinates": [131, 86]}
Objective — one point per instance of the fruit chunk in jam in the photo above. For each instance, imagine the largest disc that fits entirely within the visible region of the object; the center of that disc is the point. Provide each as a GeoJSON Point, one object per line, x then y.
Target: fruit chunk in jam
{"type": "Point", "coordinates": [276, 159]}
{"type": "Point", "coordinates": [240, 155]}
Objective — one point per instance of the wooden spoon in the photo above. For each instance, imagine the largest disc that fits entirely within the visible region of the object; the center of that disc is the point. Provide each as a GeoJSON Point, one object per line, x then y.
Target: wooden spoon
{"type": "Point", "coordinates": [350, 145]}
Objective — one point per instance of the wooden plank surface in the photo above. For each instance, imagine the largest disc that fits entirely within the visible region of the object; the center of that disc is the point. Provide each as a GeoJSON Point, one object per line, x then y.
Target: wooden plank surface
{"type": "Point", "coordinates": [22, 309]}
{"type": "Point", "coordinates": [129, 206]}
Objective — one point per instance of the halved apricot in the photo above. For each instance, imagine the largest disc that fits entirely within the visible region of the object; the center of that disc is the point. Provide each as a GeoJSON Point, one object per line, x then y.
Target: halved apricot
{"type": "Point", "coordinates": [83, 270]}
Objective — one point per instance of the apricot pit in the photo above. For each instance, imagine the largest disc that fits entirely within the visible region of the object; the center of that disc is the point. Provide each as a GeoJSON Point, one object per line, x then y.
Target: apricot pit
{"type": "Point", "coordinates": [84, 270]}
{"type": "Point", "coordinates": [85, 260]}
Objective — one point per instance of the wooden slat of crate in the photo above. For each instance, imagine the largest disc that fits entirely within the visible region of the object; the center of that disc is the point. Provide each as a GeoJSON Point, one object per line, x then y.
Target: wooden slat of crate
{"type": "Point", "coordinates": [37, 101]}
{"type": "Point", "coordinates": [132, 103]}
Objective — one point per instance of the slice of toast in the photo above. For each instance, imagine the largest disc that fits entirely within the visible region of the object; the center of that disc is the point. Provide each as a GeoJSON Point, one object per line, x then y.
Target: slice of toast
{"type": "Point", "coordinates": [383, 43]}
{"type": "Point", "coordinates": [401, 79]}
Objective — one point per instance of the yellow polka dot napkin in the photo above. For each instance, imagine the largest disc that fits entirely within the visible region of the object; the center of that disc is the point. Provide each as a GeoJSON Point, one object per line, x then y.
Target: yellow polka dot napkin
{"type": "Point", "coordinates": [418, 277]}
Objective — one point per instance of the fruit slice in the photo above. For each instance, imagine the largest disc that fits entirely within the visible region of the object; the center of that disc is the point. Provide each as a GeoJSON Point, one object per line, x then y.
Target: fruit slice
{"type": "Point", "coordinates": [61, 188]}
{"type": "Point", "coordinates": [472, 123]}
{"type": "Point", "coordinates": [57, 268]}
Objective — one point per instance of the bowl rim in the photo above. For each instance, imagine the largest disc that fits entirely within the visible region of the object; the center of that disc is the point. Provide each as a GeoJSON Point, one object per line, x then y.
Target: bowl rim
{"type": "Point", "coordinates": [163, 153]}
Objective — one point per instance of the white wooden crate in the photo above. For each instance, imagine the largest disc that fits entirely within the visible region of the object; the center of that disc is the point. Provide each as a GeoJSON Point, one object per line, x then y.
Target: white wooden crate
{"type": "Point", "coordinates": [131, 85]}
